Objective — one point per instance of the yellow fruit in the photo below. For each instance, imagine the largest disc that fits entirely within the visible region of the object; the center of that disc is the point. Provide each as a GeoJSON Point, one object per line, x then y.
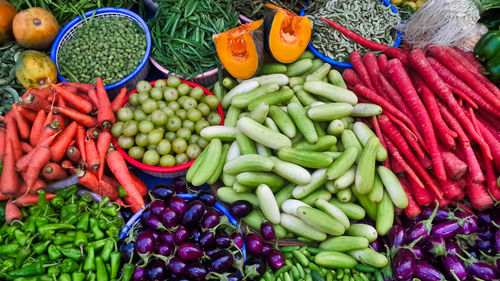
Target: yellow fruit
{"type": "Point", "coordinates": [7, 13]}
{"type": "Point", "coordinates": [35, 70]}
{"type": "Point", "coordinates": [411, 4]}
{"type": "Point", "coordinates": [35, 28]}
{"type": "Point", "coordinates": [396, 2]}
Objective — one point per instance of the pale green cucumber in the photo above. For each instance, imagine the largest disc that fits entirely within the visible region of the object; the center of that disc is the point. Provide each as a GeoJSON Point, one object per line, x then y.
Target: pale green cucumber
{"type": "Point", "coordinates": [318, 194]}
{"type": "Point", "coordinates": [344, 195]}
{"type": "Point", "coordinates": [228, 179]}
{"type": "Point", "coordinates": [349, 139]}
{"type": "Point", "coordinates": [240, 89]}
{"type": "Point", "coordinates": [229, 196]}
{"type": "Point", "coordinates": [316, 63]}
{"type": "Point", "coordinates": [363, 230]}
{"type": "Point", "coordinates": [377, 190]}
{"type": "Point", "coordinates": [306, 55]}
{"type": "Point", "coordinates": [298, 67]}
{"type": "Point", "coordinates": [336, 127]}
{"type": "Point", "coordinates": [297, 226]}
{"type": "Point", "coordinates": [279, 78]}
{"type": "Point", "coordinates": [370, 257]}
{"type": "Point", "coordinates": [347, 179]}
{"type": "Point", "coordinates": [330, 92]}
{"type": "Point", "coordinates": [319, 130]}
{"type": "Point", "coordinates": [329, 111]}
{"type": "Point", "coordinates": [290, 171]}
{"type": "Point", "coordinates": [296, 81]}
{"type": "Point", "coordinates": [344, 243]}
{"type": "Point", "coordinates": [233, 152]}
{"type": "Point", "coordinates": [336, 79]}
{"type": "Point", "coordinates": [222, 133]}
{"type": "Point", "coordinates": [282, 95]}
{"type": "Point", "coordinates": [304, 97]}
{"type": "Point", "coordinates": [269, 123]}
{"type": "Point", "coordinates": [393, 187]}
{"type": "Point", "coordinates": [283, 121]}
{"type": "Point", "coordinates": [291, 206]}
{"type": "Point", "coordinates": [263, 150]}
{"type": "Point", "coordinates": [259, 113]}
{"type": "Point", "coordinates": [368, 205]}
{"type": "Point", "coordinates": [317, 180]}
{"type": "Point", "coordinates": [333, 211]}
{"type": "Point", "coordinates": [262, 134]}
{"type": "Point", "coordinates": [256, 178]}
{"type": "Point", "coordinates": [331, 187]}
{"type": "Point", "coordinates": [342, 164]}
{"type": "Point", "coordinates": [303, 123]}
{"type": "Point", "coordinates": [273, 68]}
{"type": "Point", "coordinates": [219, 91]}
{"type": "Point", "coordinates": [304, 158]}
{"type": "Point", "coordinates": [242, 101]}
{"type": "Point", "coordinates": [248, 163]}
{"type": "Point", "coordinates": [238, 187]}
{"type": "Point", "coordinates": [232, 116]}
{"type": "Point", "coordinates": [323, 143]}
{"type": "Point", "coordinates": [196, 165]}
{"type": "Point", "coordinates": [268, 205]}
{"type": "Point", "coordinates": [284, 194]}
{"type": "Point", "coordinates": [333, 154]}
{"type": "Point", "coordinates": [320, 220]}
{"type": "Point", "coordinates": [351, 210]}
{"type": "Point", "coordinates": [331, 259]}
{"type": "Point", "coordinates": [365, 173]}
{"type": "Point", "coordinates": [298, 137]}
{"type": "Point", "coordinates": [215, 176]}
{"type": "Point", "coordinates": [319, 73]}
{"type": "Point", "coordinates": [363, 133]}
{"type": "Point", "coordinates": [245, 144]}
{"type": "Point", "coordinates": [209, 164]}
{"type": "Point", "coordinates": [366, 110]}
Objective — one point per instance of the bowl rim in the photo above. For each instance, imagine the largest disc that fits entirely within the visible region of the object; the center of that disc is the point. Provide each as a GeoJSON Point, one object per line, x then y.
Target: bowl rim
{"type": "Point", "coordinates": [323, 57]}
{"type": "Point", "coordinates": [157, 169]}
{"type": "Point", "coordinates": [168, 72]}
{"type": "Point", "coordinates": [55, 45]}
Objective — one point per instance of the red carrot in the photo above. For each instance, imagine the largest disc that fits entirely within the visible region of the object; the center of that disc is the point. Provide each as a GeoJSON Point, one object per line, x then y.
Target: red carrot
{"type": "Point", "coordinates": [66, 164]}
{"type": "Point", "coordinates": [93, 162]}
{"type": "Point", "coordinates": [48, 131]}
{"type": "Point", "coordinates": [382, 64]}
{"type": "Point", "coordinates": [493, 143]}
{"type": "Point", "coordinates": [140, 185]}
{"type": "Point", "coordinates": [450, 189]}
{"type": "Point", "coordinates": [31, 199]}
{"type": "Point", "coordinates": [454, 166]}
{"type": "Point", "coordinates": [444, 133]}
{"type": "Point", "coordinates": [82, 87]}
{"type": "Point", "coordinates": [93, 97]}
{"type": "Point", "coordinates": [421, 194]}
{"type": "Point", "coordinates": [380, 136]}
{"type": "Point", "coordinates": [371, 64]}
{"type": "Point", "coordinates": [108, 190]}
{"type": "Point", "coordinates": [490, 121]}
{"type": "Point", "coordinates": [469, 56]}
{"type": "Point", "coordinates": [479, 197]}
{"type": "Point", "coordinates": [37, 126]}
{"type": "Point", "coordinates": [26, 147]}
{"type": "Point", "coordinates": [352, 78]}
{"type": "Point", "coordinates": [27, 114]}
{"type": "Point", "coordinates": [134, 206]}
{"type": "Point", "coordinates": [491, 181]}
{"type": "Point", "coordinates": [9, 181]}
{"type": "Point", "coordinates": [34, 102]}
{"type": "Point", "coordinates": [40, 156]}
{"type": "Point", "coordinates": [103, 143]}
{"type": "Point", "coordinates": [12, 135]}
{"type": "Point", "coordinates": [22, 124]}
{"type": "Point", "coordinates": [72, 98]}
{"type": "Point", "coordinates": [61, 119]}
{"type": "Point", "coordinates": [73, 154]}
{"type": "Point", "coordinates": [397, 158]}
{"type": "Point", "coordinates": [60, 101]}
{"type": "Point", "coordinates": [105, 115]}
{"type": "Point", "coordinates": [460, 85]}
{"type": "Point", "coordinates": [474, 170]}
{"type": "Point", "coordinates": [93, 133]}
{"type": "Point", "coordinates": [388, 50]}
{"type": "Point", "coordinates": [2, 144]}
{"type": "Point", "coordinates": [53, 171]}
{"type": "Point", "coordinates": [119, 100]}
{"type": "Point", "coordinates": [45, 93]}
{"type": "Point", "coordinates": [395, 136]}
{"type": "Point", "coordinates": [413, 209]}
{"type": "Point", "coordinates": [357, 62]}
{"type": "Point", "coordinates": [118, 167]}
{"type": "Point", "coordinates": [12, 212]}
{"type": "Point", "coordinates": [88, 180]}
{"type": "Point", "coordinates": [462, 96]}
{"type": "Point", "coordinates": [80, 142]}
{"type": "Point", "coordinates": [85, 120]}
{"type": "Point", "coordinates": [59, 146]}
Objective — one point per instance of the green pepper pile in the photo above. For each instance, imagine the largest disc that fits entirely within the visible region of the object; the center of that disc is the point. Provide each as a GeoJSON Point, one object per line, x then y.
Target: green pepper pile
{"type": "Point", "coordinates": [66, 238]}
{"type": "Point", "coordinates": [487, 50]}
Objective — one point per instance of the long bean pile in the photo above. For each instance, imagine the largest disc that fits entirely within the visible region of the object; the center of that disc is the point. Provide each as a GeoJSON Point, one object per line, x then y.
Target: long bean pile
{"type": "Point", "coordinates": [182, 34]}
{"type": "Point", "coordinates": [368, 18]}
{"type": "Point", "coordinates": [9, 86]}
{"type": "Point", "coordinates": [254, 9]}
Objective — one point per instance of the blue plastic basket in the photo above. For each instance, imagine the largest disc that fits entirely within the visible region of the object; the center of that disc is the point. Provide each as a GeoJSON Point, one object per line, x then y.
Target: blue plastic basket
{"type": "Point", "coordinates": [69, 30]}
{"type": "Point", "coordinates": [186, 196]}
{"type": "Point", "coordinates": [346, 64]}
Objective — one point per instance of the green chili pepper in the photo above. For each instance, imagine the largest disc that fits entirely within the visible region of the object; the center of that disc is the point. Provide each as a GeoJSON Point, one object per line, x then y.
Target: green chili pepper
{"type": "Point", "coordinates": [57, 202]}
{"type": "Point", "coordinates": [83, 223]}
{"type": "Point", "coordinates": [64, 277]}
{"type": "Point", "coordinates": [127, 271]}
{"type": "Point", "coordinates": [41, 247]}
{"type": "Point", "coordinates": [8, 264]}
{"type": "Point", "coordinates": [113, 231]}
{"type": "Point", "coordinates": [29, 225]}
{"type": "Point", "coordinates": [8, 249]}
{"type": "Point", "coordinates": [104, 201]}
{"type": "Point", "coordinates": [54, 271]}
{"type": "Point", "coordinates": [115, 258]}
{"type": "Point", "coordinates": [32, 278]}
{"type": "Point", "coordinates": [68, 265]}
{"type": "Point", "coordinates": [53, 252]}
{"type": "Point", "coordinates": [24, 213]}
{"type": "Point", "coordinates": [94, 228]}
{"type": "Point", "coordinates": [106, 251]}
{"type": "Point", "coordinates": [89, 264]}
{"type": "Point", "coordinates": [287, 249]}
{"type": "Point", "coordinates": [41, 221]}
{"type": "Point", "coordinates": [43, 258]}
{"type": "Point", "coordinates": [71, 253]}
{"type": "Point", "coordinates": [102, 274]}
{"type": "Point", "coordinates": [281, 270]}
{"type": "Point", "coordinates": [122, 192]}
{"type": "Point", "coordinates": [87, 198]}
{"type": "Point", "coordinates": [42, 200]}
{"type": "Point", "coordinates": [78, 276]}
{"type": "Point", "coordinates": [21, 237]}
{"type": "Point", "coordinates": [28, 270]}
{"type": "Point", "coordinates": [92, 277]}
{"type": "Point", "coordinates": [103, 224]}
{"type": "Point", "coordinates": [67, 192]}
{"type": "Point", "coordinates": [94, 206]}
{"type": "Point", "coordinates": [60, 239]}
{"type": "Point", "coordinates": [98, 244]}
{"type": "Point", "coordinates": [80, 238]}
{"type": "Point", "coordinates": [301, 258]}
{"type": "Point", "coordinates": [55, 226]}
{"type": "Point", "coordinates": [10, 230]}
{"type": "Point", "coordinates": [110, 210]}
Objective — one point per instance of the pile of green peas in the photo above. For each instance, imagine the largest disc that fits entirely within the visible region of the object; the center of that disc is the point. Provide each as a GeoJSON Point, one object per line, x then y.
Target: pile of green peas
{"type": "Point", "coordinates": [161, 124]}
{"type": "Point", "coordinates": [110, 48]}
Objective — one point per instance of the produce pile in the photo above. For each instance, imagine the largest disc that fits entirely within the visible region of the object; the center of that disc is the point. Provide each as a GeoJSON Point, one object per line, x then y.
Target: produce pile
{"type": "Point", "coordinates": [254, 9]}
{"type": "Point", "coordinates": [9, 85]}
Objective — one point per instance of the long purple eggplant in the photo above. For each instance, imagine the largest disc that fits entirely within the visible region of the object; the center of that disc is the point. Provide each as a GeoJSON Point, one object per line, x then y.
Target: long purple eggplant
{"type": "Point", "coordinates": [403, 264]}
{"type": "Point", "coordinates": [418, 251]}
{"type": "Point", "coordinates": [453, 248]}
{"type": "Point", "coordinates": [497, 240]}
{"type": "Point", "coordinates": [482, 270]}
{"type": "Point", "coordinates": [468, 223]}
{"type": "Point", "coordinates": [454, 267]}
{"type": "Point", "coordinates": [396, 237]}
{"type": "Point", "coordinates": [441, 214]}
{"type": "Point", "coordinates": [422, 229]}
{"type": "Point", "coordinates": [426, 272]}
{"type": "Point", "coordinates": [437, 246]}
{"type": "Point", "coordinates": [446, 229]}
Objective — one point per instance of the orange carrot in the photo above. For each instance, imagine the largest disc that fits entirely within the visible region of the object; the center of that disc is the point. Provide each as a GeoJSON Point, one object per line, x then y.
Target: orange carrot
{"type": "Point", "coordinates": [4, 197]}
{"type": "Point", "coordinates": [105, 115]}
{"type": "Point", "coordinates": [141, 186]}
{"type": "Point", "coordinates": [2, 143]}
{"type": "Point", "coordinates": [12, 135]}
{"type": "Point", "coordinates": [119, 201]}
{"type": "Point", "coordinates": [111, 181]}
{"type": "Point", "coordinates": [67, 165]}
{"type": "Point", "coordinates": [40, 156]}
{"type": "Point", "coordinates": [31, 198]}
{"type": "Point", "coordinates": [80, 142]}
{"type": "Point", "coordinates": [27, 114]}
{"type": "Point", "coordinates": [92, 94]}
{"type": "Point", "coordinates": [26, 147]}
{"type": "Point", "coordinates": [63, 120]}
{"type": "Point", "coordinates": [53, 171]}
{"type": "Point", "coordinates": [34, 102]}
{"type": "Point", "coordinates": [82, 87]}
{"type": "Point", "coordinates": [48, 131]}
{"type": "Point", "coordinates": [93, 133]}
{"type": "Point", "coordinates": [37, 126]}
{"type": "Point", "coordinates": [133, 205]}
{"type": "Point", "coordinates": [9, 181]}
{"type": "Point", "coordinates": [45, 93]}
{"type": "Point", "coordinates": [107, 189]}
{"type": "Point", "coordinates": [118, 167]}
{"type": "Point", "coordinates": [93, 162]}
{"type": "Point", "coordinates": [119, 100]}
{"type": "Point", "coordinates": [59, 146]}
{"type": "Point", "coordinates": [68, 87]}
{"type": "Point", "coordinates": [12, 212]}
{"type": "Point", "coordinates": [73, 154]}
{"type": "Point", "coordinates": [60, 101]}
{"type": "Point", "coordinates": [22, 124]}
{"type": "Point", "coordinates": [88, 180]}
{"type": "Point", "coordinates": [85, 120]}
{"type": "Point", "coordinates": [102, 148]}
{"type": "Point", "coordinates": [75, 100]}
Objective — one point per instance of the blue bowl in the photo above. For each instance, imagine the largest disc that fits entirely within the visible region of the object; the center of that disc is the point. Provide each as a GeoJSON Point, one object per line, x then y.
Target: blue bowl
{"type": "Point", "coordinates": [346, 64]}
{"type": "Point", "coordinates": [129, 81]}
{"type": "Point", "coordinates": [186, 196]}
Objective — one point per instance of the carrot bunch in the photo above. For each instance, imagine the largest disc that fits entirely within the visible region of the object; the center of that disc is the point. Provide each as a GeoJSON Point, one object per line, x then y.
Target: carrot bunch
{"type": "Point", "coordinates": [440, 124]}
{"type": "Point", "coordinates": [59, 131]}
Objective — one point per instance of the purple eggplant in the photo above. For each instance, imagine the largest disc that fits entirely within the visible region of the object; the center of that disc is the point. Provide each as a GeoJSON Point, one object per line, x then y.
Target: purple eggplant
{"type": "Point", "coordinates": [207, 198]}
{"type": "Point", "coordinates": [176, 266]}
{"type": "Point", "coordinates": [156, 270]}
{"type": "Point", "coordinates": [267, 231]}
{"type": "Point", "coordinates": [255, 267]}
{"type": "Point", "coordinates": [177, 204]}
{"type": "Point", "coordinates": [436, 246]}
{"type": "Point", "coordinates": [164, 249]}
{"type": "Point", "coordinates": [482, 270]}
{"type": "Point", "coordinates": [484, 218]}
{"type": "Point", "coordinates": [210, 253]}
{"type": "Point", "coordinates": [426, 272]}
{"type": "Point", "coordinates": [196, 233]}
{"type": "Point", "coordinates": [418, 251]}
{"type": "Point", "coordinates": [238, 239]}
{"type": "Point", "coordinates": [153, 222]}
{"type": "Point", "coordinates": [189, 252]}
{"type": "Point", "coordinates": [193, 214]}
{"type": "Point", "coordinates": [454, 267]}
{"type": "Point", "coordinates": [446, 229]}
{"type": "Point", "coordinates": [254, 244]}
{"type": "Point", "coordinates": [157, 206]}
{"type": "Point", "coordinates": [181, 235]}
{"type": "Point", "coordinates": [377, 246]}
{"type": "Point", "coordinates": [145, 242]}
{"type": "Point", "coordinates": [179, 184]}
{"type": "Point", "coordinates": [168, 238]}
{"type": "Point", "coordinates": [497, 240]}
{"type": "Point", "coordinates": [418, 231]}
{"type": "Point", "coordinates": [275, 259]}
{"type": "Point", "coordinates": [147, 212]}
{"type": "Point", "coordinates": [222, 240]}
{"type": "Point", "coordinates": [453, 248]}
{"type": "Point", "coordinates": [127, 250]}
{"type": "Point", "coordinates": [484, 245]}
{"type": "Point", "coordinates": [221, 261]}
{"type": "Point", "coordinates": [139, 274]}
{"type": "Point", "coordinates": [162, 191]}
{"type": "Point", "coordinates": [196, 271]}
{"type": "Point", "coordinates": [467, 222]}
{"type": "Point", "coordinates": [233, 277]}
{"type": "Point", "coordinates": [403, 264]}
{"type": "Point", "coordinates": [266, 249]}
{"type": "Point", "coordinates": [207, 240]}
{"type": "Point", "coordinates": [441, 214]}
{"type": "Point", "coordinates": [396, 237]}
{"type": "Point", "coordinates": [169, 217]}
{"type": "Point", "coordinates": [210, 219]}
{"type": "Point", "coordinates": [239, 209]}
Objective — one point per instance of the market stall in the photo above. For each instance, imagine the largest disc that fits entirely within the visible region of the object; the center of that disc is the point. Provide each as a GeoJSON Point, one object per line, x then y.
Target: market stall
{"type": "Point", "coordinates": [249, 140]}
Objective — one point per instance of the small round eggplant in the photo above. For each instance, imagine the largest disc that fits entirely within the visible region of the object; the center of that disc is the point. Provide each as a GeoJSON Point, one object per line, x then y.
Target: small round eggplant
{"type": "Point", "coordinates": [238, 239]}
{"type": "Point", "coordinates": [162, 191]}
{"type": "Point", "coordinates": [222, 240]}
{"type": "Point", "coordinates": [164, 249]}
{"type": "Point", "coordinates": [196, 233]}
{"type": "Point", "coordinates": [153, 222]}
{"type": "Point", "coordinates": [145, 242]}
{"type": "Point", "coordinates": [377, 246]}
{"type": "Point", "coordinates": [266, 249]}
{"type": "Point", "coordinates": [189, 252]}
{"type": "Point", "coordinates": [403, 264]}
{"type": "Point", "coordinates": [221, 261]}
{"type": "Point", "coordinates": [210, 219]}
{"type": "Point", "coordinates": [239, 209]}
{"type": "Point", "coordinates": [196, 271]}
{"type": "Point", "coordinates": [207, 198]}
{"type": "Point", "coordinates": [254, 244]}
{"type": "Point", "coordinates": [156, 270]}
{"type": "Point", "coordinates": [139, 274]}
{"type": "Point", "coordinates": [267, 231]}
{"type": "Point", "coordinates": [482, 270]}
{"type": "Point", "coordinates": [445, 229]}
{"type": "Point", "coordinates": [168, 238]}
{"type": "Point", "coordinates": [275, 259]}
{"type": "Point", "coordinates": [127, 250]}
{"type": "Point", "coordinates": [207, 240]}
{"type": "Point", "coordinates": [426, 272]}
{"type": "Point", "coordinates": [454, 267]}
{"type": "Point", "coordinates": [254, 267]}
{"type": "Point", "coordinates": [176, 266]}
{"type": "Point", "coordinates": [169, 217]}
{"type": "Point", "coordinates": [179, 184]}
{"type": "Point", "coordinates": [181, 235]}
{"type": "Point", "coordinates": [177, 204]}
{"type": "Point", "coordinates": [234, 277]}
{"type": "Point", "coordinates": [157, 206]}
{"type": "Point", "coordinates": [193, 214]}
{"type": "Point", "coordinates": [396, 237]}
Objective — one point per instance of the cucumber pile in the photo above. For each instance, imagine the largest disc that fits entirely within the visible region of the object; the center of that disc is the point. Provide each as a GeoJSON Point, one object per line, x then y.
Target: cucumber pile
{"type": "Point", "coordinates": [292, 148]}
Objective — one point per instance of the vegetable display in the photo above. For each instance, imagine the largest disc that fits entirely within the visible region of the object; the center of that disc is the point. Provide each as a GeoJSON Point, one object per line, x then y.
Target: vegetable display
{"type": "Point", "coordinates": [10, 87]}
{"type": "Point", "coordinates": [255, 9]}
{"type": "Point", "coordinates": [161, 126]}
{"type": "Point", "coordinates": [110, 48]}
{"type": "Point", "coordinates": [66, 238]}
{"type": "Point", "coordinates": [487, 51]}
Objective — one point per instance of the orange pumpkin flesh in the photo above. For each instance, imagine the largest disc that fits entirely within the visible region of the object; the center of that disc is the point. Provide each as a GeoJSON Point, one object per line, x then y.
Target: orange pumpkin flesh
{"type": "Point", "coordinates": [240, 49]}
{"type": "Point", "coordinates": [287, 35]}
{"type": "Point", "coordinates": [35, 28]}
{"type": "Point", "coordinates": [7, 14]}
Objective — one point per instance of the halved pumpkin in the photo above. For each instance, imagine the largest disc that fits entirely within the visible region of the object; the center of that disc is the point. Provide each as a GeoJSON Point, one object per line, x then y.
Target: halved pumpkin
{"type": "Point", "coordinates": [241, 49]}
{"type": "Point", "coordinates": [287, 34]}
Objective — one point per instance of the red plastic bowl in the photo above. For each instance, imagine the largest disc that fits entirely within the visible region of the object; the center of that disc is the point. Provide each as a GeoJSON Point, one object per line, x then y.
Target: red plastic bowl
{"type": "Point", "coordinates": [155, 170]}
